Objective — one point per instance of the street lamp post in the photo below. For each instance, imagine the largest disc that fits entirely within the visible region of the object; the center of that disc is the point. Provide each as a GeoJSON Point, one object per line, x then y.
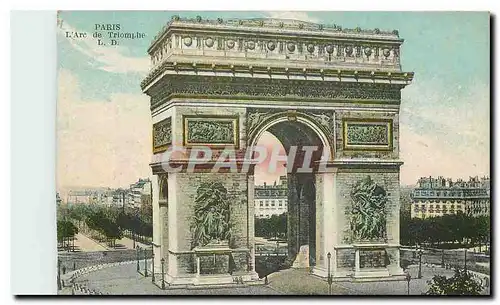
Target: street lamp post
{"type": "Point", "coordinates": [59, 274]}
{"type": "Point", "coordinates": [465, 259]}
{"type": "Point", "coordinates": [420, 263]}
{"type": "Point", "coordinates": [330, 280]}
{"type": "Point", "coordinates": [138, 250]}
{"type": "Point", "coordinates": [133, 231]}
{"type": "Point", "coordinates": [145, 263]}
{"type": "Point", "coordinates": [153, 267]}
{"type": "Point", "coordinates": [408, 279]}
{"type": "Point", "coordinates": [442, 258]}
{"type": "Point", "coordinates": [162, 273]}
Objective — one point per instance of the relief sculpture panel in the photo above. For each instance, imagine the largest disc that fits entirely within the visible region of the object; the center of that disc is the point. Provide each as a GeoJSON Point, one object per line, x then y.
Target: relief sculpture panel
{"type": "Point", "coordinates": [210, 224]}
{"type": "Point", "coordinates": [362, 134]}
{"type": "Point", "coordinates": [162, 135]}
{"type": "Point", "coordinates": [211, 131]}
{"type": "Point", "coordinates": [368, 214]}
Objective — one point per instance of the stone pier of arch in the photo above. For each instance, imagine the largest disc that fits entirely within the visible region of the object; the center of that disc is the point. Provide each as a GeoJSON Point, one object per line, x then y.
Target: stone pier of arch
{"type": "Point", "coordinates": [221, 84]}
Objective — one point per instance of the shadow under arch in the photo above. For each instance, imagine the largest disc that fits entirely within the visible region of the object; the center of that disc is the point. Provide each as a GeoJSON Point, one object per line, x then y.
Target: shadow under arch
{"type": "Point", "coordinates": [286, 116]}
{"type": "Point", "coordinates": [298, 129]}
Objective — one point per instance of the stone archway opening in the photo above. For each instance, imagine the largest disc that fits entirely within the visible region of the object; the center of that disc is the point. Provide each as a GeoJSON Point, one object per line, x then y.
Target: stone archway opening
{"type": "Point", "coordinates": [294, 150]}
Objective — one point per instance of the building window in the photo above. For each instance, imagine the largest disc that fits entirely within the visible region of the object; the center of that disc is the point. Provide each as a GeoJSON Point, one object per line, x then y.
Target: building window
{"type": "Point", "coordinates": [261, 204]}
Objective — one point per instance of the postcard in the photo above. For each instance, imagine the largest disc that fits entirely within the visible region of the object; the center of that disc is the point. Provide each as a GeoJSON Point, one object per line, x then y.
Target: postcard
{"type": "Point", "coordinates": [273, 153]}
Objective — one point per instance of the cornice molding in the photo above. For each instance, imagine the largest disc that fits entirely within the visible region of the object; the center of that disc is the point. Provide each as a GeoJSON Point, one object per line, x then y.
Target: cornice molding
{"type": "Point", "coordinates": [273, 72]}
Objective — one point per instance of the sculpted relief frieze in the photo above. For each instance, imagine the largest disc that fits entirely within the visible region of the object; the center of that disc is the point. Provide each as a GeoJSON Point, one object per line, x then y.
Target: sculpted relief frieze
{"type": "Point", "coordinates": [274, 89]}
{"type": "Point", "coordinates": [213, 131]}
{"type": "Point", "coordinates": [162, 135]}
{"type": "Point", "coordinates": [362, 134]}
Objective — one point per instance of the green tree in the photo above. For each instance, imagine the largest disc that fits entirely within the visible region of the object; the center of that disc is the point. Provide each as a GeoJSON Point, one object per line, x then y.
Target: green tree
{"type": "Point", "coordinates": [462, 283]}
{"type": "Point", "coordinates": [66, 231]}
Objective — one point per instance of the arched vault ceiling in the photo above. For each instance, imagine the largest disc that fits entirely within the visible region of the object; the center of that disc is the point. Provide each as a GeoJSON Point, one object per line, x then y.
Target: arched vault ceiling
{"type": "Point", "coordinates": [292, 133]}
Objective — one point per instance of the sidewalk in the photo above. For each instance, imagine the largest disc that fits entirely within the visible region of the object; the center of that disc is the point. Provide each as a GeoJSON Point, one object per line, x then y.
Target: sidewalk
{"type": "Point", "coordinates": [86, 244]}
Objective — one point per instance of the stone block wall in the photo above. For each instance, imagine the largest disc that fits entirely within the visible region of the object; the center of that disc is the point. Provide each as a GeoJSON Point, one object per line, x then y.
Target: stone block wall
{"type": "Point", "coordinates": [345, 259]}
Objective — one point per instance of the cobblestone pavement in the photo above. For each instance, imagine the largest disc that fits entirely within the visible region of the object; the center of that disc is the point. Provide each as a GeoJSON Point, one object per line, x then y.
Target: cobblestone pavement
{"type": "Point", "coordinates": [417, 286]}
{"type": "Point", "coordinates": [300, 282]}
{"type": "Point", "coordinates": [124, 280]}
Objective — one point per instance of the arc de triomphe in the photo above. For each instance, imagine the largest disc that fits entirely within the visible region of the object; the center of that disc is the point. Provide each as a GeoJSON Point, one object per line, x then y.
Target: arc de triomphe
{"type": "Point", "coordinates": [221, 84]}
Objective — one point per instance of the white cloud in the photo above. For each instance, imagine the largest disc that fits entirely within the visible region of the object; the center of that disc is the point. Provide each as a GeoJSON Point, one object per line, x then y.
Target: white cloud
{"type": "Point", "coordinates": [292, 15]}
{"type": "Point", "coordinates": [425, 155]}
{"type": "Point", "coordinates": [110, 58]}
{"type": "Point", "coordinates": [457, 111]}
{"type": "Point", "coordinates": [101, 143]}
{"type": "Point", "coordinates": [445, 131]}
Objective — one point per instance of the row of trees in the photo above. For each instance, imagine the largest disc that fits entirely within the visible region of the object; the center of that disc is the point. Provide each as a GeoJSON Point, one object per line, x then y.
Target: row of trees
{"type": "Point", "coordinates": [66, 232]}
{"type": "Point", "coordinates": [135, 224]}
{"type": "Point", "coordinates": [275, 226]}
{"type": "Point", "coordinates": [103, 224]}
{"type": "Point", "coordinates": [445, 230]}
{"type": "Point", "coordinates": [109, 223]}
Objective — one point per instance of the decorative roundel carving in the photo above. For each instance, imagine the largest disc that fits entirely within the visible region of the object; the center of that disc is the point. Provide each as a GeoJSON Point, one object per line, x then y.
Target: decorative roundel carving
{"type": "Point", "coordinates": [329, 49]}
{"type": "Point", "coordinates": [209, 42]}
{"type": "Point", "coordinates": [188, 41]}
{"type": "Point", "coordinates": [386, 52]}
{"type": "Point", "coordinates": [310, 48]}
{"type": "Point", "coordinates": [368, 51]}
{"type": "Point", "coordinates": [251, 45]}
{"type": "Point", "coordinates": [348, 51]}
{"type": "Point", "coordinates": [290, 47]}
{"type": "Point", "coordinates": [271, 45]}
{"type": "Point", "coordinates": [230, 44]}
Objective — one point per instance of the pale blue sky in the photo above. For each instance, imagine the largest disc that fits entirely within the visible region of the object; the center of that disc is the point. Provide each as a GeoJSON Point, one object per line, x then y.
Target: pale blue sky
{"type": "Point", "coordinates": [444, 113]}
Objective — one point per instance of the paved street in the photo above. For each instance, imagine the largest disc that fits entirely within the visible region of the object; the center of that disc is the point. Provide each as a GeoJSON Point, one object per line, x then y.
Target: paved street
{"type": "Point", "coordinates": [299, 281]}
{"type": "Point", "coordinates": [124, 279]}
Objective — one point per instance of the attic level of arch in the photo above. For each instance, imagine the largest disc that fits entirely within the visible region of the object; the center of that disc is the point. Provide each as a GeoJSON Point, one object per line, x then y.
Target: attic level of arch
{"type": "Point", "coordinates": [295, 48]}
